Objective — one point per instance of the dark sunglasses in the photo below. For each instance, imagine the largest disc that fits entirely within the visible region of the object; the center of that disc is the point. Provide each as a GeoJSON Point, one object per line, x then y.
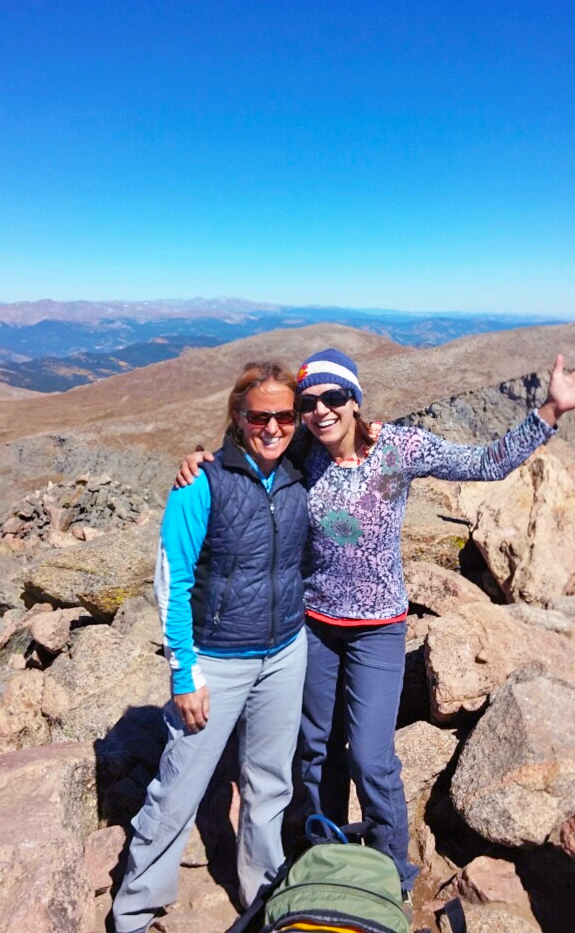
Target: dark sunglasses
{"type": "Point", "coordinates": [262, 418]}
{"type": "Point", "coordinates": [331, 398]}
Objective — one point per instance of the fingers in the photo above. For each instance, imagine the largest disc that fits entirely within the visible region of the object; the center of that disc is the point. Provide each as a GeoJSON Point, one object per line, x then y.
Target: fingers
{"type": "Point", "coordinates": [192, 469]}
{"type": "Point", "coordinates": [559, 363]}
{"type": "Point", "coordinates": [185, 474]}
{"type": "Point", "coordinates": [194, 708]}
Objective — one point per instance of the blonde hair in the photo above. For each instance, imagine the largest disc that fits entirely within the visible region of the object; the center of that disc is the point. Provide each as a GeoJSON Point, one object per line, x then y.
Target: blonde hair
{"type": "Point", "coordinates": [253, 375]}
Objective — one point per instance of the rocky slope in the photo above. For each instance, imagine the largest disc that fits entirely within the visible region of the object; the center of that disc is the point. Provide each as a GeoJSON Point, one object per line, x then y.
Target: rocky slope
{"type": "Point", "coordinates": [485, 727]}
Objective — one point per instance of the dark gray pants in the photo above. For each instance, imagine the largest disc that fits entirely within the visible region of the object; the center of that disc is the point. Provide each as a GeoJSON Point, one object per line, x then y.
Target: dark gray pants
{"type": "Point", "coordinates": [351, 695]}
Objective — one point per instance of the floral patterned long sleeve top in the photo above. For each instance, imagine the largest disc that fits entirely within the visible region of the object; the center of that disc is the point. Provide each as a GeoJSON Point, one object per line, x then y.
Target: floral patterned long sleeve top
{"type": "Point", "coordinates": [353, 564]}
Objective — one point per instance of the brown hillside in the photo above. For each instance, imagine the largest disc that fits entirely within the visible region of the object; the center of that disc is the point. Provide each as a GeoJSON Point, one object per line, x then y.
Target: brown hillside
{"type": "Point", "coordinates": [11, 393]}
{"type": "Point", "coordinates": [176, 387]}
{"type": "Point", "coordinates": [167, 407]}
{"type": "Point", "coordinates": [405, 384]}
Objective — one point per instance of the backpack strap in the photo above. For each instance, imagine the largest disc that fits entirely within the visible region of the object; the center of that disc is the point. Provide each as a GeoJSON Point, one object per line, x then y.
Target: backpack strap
{"type": "Point", "coordinates": [252, 920]}
{"type": "Point", "coordinates": [358, 830]}
{"type": "Point", "coordinates": [453, 910]}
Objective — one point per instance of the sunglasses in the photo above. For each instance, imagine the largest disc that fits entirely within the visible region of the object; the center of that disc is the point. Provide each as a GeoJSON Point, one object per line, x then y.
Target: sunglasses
{"type": "Point", "coordinates": [331, 398]}
{"type": "Point", "coordinates": [261, 418]}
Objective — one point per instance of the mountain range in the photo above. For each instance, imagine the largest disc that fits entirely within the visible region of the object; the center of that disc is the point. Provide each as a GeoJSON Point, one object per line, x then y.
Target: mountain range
{"type": "Point", "coordinates": [50, 346]}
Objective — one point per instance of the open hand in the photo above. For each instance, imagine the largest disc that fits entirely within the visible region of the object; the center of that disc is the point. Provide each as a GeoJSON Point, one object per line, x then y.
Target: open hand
{"type": "Point", "coordinates": [561, 393]}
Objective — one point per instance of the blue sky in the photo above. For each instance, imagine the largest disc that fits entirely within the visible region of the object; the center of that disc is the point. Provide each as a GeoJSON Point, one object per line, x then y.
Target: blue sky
{"type": "Point", "coordinates": [415, 154]}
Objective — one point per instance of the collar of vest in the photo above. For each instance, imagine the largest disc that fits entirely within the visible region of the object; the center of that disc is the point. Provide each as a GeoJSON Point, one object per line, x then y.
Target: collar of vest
{"type": "Point", "coordinates": [233, 458]}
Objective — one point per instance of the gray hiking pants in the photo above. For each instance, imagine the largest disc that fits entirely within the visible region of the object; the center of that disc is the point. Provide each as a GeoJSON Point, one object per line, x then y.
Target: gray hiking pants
{"type": "Point", "coordinates": [263, 696]}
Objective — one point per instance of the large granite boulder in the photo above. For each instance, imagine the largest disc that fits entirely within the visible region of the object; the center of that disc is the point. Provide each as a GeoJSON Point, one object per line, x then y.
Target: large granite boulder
{"type": "Point", "coordinates": [438, 589]}
{"type": "Point", "coordinates": [522, 526]}
{"type": "Point", "coordinates": [472, 650]}
{"type": "Point", "coordinates": [104, 677]}
{"type": "Point", "coordinates": [551, 619]}
{"type": "Point", "coordinates": [100, 574]}
{"type": "Point", "coordinates": [424, 751]}
{"type": "Point", "coordinates": [493, 918]}
{"type": "Point", "coordinates": [515, 779]}
{"type": "Point", "coordinates": [48, 807]}
{"type": "Point", "coordinates": [21, 720]}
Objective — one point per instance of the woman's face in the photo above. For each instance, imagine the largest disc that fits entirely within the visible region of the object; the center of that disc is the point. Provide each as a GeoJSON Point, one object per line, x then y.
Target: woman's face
{"type": "Point", "coordinates": [266, 443]}
{"type": "Point", "coordinates": [331, 426]}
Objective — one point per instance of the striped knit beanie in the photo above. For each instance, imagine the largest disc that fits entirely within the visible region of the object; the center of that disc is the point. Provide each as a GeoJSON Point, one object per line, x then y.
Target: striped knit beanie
{"type": "Point", "coordinates": [331, 366]}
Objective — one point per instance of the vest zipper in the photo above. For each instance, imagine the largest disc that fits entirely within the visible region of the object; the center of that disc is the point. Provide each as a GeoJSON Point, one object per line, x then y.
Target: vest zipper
{"type": "Point", "coordinates": [216, 615]}
{"type": "Point", "coordinates": [275, 530]}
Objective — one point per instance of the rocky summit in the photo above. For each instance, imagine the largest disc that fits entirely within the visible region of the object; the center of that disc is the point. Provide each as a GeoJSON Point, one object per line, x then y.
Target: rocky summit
{"type": "Point", "coordinates": [485, 728]}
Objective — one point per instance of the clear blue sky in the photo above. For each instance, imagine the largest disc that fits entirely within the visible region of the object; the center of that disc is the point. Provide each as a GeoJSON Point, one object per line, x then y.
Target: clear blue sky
{"type": "Point", "coordinates": [415, 154]}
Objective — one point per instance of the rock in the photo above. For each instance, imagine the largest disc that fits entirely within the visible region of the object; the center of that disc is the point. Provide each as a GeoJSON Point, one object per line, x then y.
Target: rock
{"type": "Point", "coordinates": [486, 880]}
{"type": "Point", "coordinates": [551, 619]}
{"type": "Point", "coordinates": [11, 586]}
{"type": "Point", "coordinates": [21, 720]}
{"type": "Point", "coordinates": [90, 534]}
{"type": "Point", "coordinates": [122, 800]}
{"type": "Point", "coordinates": [471, 651]}
{"type": "Point", "coordinates": [99, 575]}
{"type": "Point", "coordinates": [13, 634]}
{"type": "Point", "coordinates": [17, 662]}
{"type": "Point", "coordinates": [57, 515]}
{"type": "Point", "coordinates": [414, 702]}
{"type": "Point", "coordinates": [424, 751]}
{"type": "Point", "coordinates": [429, 532]}
{"type": "Point", "coordinates": [437, 589]}
{"type": "Point", "coordinates": [12, 525]}
{"type": "Point", "coordinates": [48, 806]}
{"type": "Point", "coordinates": [86, 693]}
{"type": "Point", "coordinates": [418, 626]}
{"type": "Point", "coordinates": [567, 837]}
{"type": "Point", "coordinates": [61, 539]}
{"type": "Point", "coordinates": [520, 526]}
{"type": "Point", "coordinates": [102, 856]}
{"type": "Point", "coordinates": [492, 918]}
{"type": "Point", "coordinates": [52, 629]}
{"type": "Point", "coordinates": [564, 604]}
{"type": "Point", "coordinates": [515, 780]}
{"type": "Point", "coordinates": [139, 620]}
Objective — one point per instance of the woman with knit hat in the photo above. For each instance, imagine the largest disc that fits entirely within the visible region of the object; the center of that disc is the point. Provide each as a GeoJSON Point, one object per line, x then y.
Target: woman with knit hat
{"type": "Point", "coordinates": [358, 477]}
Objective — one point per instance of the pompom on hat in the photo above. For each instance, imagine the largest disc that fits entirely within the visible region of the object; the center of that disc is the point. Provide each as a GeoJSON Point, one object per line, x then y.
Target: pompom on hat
{"type": "Point", "coordinates": [329, 366]}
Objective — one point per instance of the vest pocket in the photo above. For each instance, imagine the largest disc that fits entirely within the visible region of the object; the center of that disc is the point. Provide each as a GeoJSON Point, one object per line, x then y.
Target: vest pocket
{"type": "Point", "coordinates": [222, 602]}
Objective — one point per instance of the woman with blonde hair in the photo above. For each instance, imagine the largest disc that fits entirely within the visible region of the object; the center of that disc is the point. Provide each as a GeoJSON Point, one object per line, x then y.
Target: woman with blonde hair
{"type": "Point", "coordinates": [232, 544]}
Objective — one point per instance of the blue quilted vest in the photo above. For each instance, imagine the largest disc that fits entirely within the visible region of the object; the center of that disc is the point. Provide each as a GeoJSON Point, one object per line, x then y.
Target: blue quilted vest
{"type": "Point", "coordinates": [248, 592]}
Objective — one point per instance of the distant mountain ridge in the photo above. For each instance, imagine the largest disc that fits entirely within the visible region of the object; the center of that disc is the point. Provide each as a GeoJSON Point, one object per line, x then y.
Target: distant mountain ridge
{"type": "Point", "coordinates": [51, 346]}
{"type": "Point", "coordinates": [137, 425]}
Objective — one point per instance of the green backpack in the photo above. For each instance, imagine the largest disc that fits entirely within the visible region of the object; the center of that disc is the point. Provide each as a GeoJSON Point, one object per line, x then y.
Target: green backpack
{"type": "Point", "coordinates": [339, 886]}
{"type": "Point", "coordinates": [326, 886]}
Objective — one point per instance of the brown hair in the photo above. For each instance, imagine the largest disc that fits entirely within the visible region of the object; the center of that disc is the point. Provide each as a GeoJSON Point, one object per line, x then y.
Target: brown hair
{"type": "Point", "coordinates": [253, 375]}
{"type": "Point", "coordinates": [363, 431]}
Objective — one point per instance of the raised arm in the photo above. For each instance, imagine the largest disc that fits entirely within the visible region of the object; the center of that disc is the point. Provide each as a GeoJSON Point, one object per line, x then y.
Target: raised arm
{"type": "Point", "coordinates": [560, 395]}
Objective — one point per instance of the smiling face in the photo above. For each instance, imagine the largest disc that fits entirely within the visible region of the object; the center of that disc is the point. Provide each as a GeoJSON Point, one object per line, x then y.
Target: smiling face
{"type": "Point", "coordinates": [334, 427]}
{"type": "Point", "coordinates": [266, 443]}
